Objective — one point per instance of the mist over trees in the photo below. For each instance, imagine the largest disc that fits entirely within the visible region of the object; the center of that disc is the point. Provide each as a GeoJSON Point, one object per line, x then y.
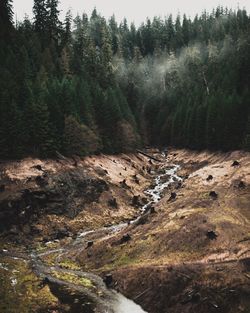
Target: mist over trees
{"type": "Point", "coordinates": [87, 85]}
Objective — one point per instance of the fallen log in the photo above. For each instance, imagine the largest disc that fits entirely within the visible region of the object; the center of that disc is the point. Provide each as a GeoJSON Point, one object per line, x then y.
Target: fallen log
{"type": "Point", "coordinates": [149, 156]}
{"type": "Point", "coordinates": [60, 156]}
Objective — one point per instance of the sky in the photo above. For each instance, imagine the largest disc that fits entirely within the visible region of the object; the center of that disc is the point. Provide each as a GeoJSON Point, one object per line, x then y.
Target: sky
{"type": "Point", "coordinates": [134, 10]}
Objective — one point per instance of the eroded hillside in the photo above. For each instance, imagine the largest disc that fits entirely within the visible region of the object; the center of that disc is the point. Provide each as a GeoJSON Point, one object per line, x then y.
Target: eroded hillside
{"type": "Point", "coordinates": [188, 252]}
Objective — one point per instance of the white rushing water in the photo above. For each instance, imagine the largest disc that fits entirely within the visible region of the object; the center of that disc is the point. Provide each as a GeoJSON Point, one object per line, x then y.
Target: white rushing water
{"type": "Point", "coordinates": [161, 182]}
{"type": "Point", "coordinates": [124, 305]}
{"type": "Point", "coordinates": [156, 191]}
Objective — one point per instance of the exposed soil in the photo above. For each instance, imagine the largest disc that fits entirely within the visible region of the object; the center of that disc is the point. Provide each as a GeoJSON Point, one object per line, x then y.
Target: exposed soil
{"type": "Point", "coordinates": [191, 253]}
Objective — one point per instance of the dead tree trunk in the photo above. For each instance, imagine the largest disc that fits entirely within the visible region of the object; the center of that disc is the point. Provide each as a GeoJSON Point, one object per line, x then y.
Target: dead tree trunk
{"type": "Point", "coordinates": [149, 156]}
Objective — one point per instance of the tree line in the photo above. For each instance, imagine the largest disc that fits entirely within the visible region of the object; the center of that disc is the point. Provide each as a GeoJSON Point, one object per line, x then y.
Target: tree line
{"type": "Point", "coordinates": [88, 85]}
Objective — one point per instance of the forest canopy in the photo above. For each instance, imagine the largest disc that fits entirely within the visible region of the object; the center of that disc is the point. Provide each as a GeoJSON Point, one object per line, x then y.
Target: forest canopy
{"type": "Point", "coordinates": [88, 85]}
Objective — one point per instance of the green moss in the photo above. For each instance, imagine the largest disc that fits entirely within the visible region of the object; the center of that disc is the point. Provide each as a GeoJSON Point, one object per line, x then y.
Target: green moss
{"type": "Point", "coordinates": [69, 264]}
{"type": "Point", "coordinates": [21, 290]}
{"type": "Point", "coordinates": [74, 279]}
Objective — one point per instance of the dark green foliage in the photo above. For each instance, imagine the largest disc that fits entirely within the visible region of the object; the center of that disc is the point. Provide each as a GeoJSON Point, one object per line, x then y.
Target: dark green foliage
{"type": "Point", "coordinates": [6, 19]}
{"type": "Point", "coordinates": [91, 86]}
{"type": "Point", "coordinates": [79, 139]}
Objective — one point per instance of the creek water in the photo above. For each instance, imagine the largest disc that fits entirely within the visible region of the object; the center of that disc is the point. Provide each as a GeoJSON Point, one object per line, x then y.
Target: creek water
{"type": "Point", "coordinates": [117, 302]}
{"type": "Point", "coordinates": [124, 305]}
{"type": "Point", "coordinates": [161, 182]}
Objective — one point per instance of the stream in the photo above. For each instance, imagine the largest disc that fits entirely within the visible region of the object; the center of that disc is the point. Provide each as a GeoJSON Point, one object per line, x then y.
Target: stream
{"type": "Point", "coordinates": [111, 301]}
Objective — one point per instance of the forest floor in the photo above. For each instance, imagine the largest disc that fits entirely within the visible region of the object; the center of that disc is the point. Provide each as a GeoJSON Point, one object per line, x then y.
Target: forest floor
{"type": "Point", "coordinates": [192, 254]}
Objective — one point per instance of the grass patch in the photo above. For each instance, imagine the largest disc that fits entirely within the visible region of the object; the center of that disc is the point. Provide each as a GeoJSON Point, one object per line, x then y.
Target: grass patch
{"type": "Point", "coordinates": [74, 279]}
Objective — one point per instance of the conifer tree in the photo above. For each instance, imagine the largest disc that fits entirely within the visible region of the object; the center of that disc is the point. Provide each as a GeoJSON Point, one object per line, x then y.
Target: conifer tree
{"type": "Point", "coordinates": [40, 16]}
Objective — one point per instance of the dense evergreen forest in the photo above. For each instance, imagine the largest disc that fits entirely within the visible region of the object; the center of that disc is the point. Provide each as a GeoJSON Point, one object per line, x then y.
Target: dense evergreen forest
{"type": "Point", "coordinates": [87, 85]}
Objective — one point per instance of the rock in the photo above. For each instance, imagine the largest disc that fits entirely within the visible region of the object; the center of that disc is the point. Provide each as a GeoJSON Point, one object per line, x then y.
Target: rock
{"type": "Point", "coordinates": [113, 203]}
{"type": "Point", "coordinates": [125, 238]}
{"type": "Point", "coordinates": [108, 280]}
{"type": "Point", "coordinates": [172, 196]}
{"type": "Point", "coordinates": [90, 244]}
{"type": "Point", "coordinates": [235, 163]}
{"type": "Point", "coordinates": [213, 195]}
{"type": "Point", "coordinates": [210, 177]}
{"type": "Point", "coordinates": [211, 235]}
{"type": "Point", "coordinates": [2, 188]}
{"type": "Point", "coordinates": [150, 208]}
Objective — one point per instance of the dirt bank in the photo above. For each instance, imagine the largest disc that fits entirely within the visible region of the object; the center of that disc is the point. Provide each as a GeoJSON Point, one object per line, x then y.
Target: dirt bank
{"type": "Point", "coordinates": [47, 199]}
{"type": "Point", "coordinates": [190, 252]}
{"type": "Point", "coordinates": [195, 243]}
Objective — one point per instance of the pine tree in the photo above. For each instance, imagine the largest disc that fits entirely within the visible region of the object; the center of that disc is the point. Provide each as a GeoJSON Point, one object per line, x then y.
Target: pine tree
{"type": "Point", "coordinates": [6, 19]}
{"type": "Point", "coordinates": [40, 16]}
{"type": "Point", "coordinates": [67, 29]}
{"type": "Point", "coordinates": [185, 30]}
{"type": "Point", "coordinates": [53, 22]}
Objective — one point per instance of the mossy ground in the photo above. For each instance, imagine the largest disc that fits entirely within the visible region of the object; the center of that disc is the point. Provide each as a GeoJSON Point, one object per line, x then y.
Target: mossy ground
{"type": "Point", "coordinates": [21, 289]}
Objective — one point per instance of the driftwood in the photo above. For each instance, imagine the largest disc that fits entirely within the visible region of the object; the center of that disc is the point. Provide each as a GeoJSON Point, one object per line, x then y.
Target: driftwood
{"type": "Point", "coordinates": [149, 156]}
{"type": "Point", "coordinates": [141, 294]}
{"type": "Point", "coordinates": [60, 156]}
